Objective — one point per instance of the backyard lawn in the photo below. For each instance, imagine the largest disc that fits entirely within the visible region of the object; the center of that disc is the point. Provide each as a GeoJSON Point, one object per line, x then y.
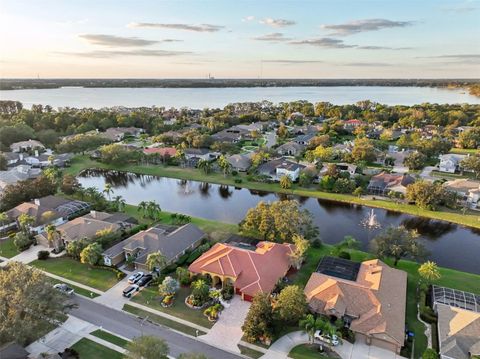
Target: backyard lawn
{"type": "Point", "coordinates": [89, 349]}
{"type": "Point", "coordinates": [149, 297]}
{"type": "Point", "coordinates": [8, 249]}
{"type": "Point", "coordinates": [102, 279]}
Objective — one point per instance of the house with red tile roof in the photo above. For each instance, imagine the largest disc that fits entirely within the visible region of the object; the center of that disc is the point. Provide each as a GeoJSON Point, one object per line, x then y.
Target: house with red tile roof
{"type": "Point", "coordinates": [250, 269]}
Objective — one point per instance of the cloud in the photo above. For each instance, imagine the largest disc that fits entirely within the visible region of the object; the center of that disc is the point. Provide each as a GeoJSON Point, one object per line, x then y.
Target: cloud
{"type": "Point", "coordinates": [293, 62]}
{"type": "Point", "coordinates": [248, 18]}
{"type": "Point", "coordinates": [455, 58]}
{"type": "Point", "coordinates": [356, 26]}
{"type": "Point", "coordinates": [367, 64]}
{"type": "Point", "coordinates": [116, 41]}
{"type": "Point", "coordinates": [326, 42]}
{"type": "Point", "coordinates": [277, 22]}
{"type": "Point", "coordinates": [272, 37]}
{"type": "Point", "coordinates": [467, 6]}
{"type": "Point", "coordinates": [371, 47]}
{"type": "Point", "coordinates": [106, 54]}
{"type": "Point", "coordinates": [186, 27]}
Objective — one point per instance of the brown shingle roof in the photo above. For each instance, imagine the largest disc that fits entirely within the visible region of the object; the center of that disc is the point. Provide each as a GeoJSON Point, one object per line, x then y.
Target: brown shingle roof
{"type": "Point", "coordinates": [377, 299]}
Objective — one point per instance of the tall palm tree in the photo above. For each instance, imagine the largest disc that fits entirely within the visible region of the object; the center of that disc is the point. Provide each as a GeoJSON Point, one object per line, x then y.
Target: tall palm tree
{"type": "Point", "coordinates": [204, 165]}
{"type": "Point", "coordinates": [142, 207]}
{"type": "Point", "coordinates": [108, 190]}
{"type": "Point", "coordinates": [119, 203]}
{"type": "Point", "coordinates": [25, 221]}
{"type": "Point", "coordinates": [155, 261]}
{"type": "Point", "coordinates": [52, 234]}
{"type": "Point", "coordinates": [429, 271]}
{"type": "Point", "coordinates": [310, 325]}
{"type": "Point", "coordinates": [224, 165]}
{"type": "Point", "coordinates": [153, 209]}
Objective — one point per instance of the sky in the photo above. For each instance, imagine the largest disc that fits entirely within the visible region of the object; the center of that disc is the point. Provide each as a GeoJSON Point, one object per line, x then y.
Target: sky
{"type": "Point", "coordinates": [240, 39]}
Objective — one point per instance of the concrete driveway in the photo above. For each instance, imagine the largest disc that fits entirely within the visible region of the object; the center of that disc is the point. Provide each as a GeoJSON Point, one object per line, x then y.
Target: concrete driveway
{"type": "Point", "coordinates": [227, 331]}
{"type": "Point", "coordinates": [113, 297]}
{"type": "Point", "coordinates": [360, 350]}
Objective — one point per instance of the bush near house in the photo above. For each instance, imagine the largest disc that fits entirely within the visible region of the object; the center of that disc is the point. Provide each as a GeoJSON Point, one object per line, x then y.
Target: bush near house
{"type": "Point", "coordinates": [43, 255]}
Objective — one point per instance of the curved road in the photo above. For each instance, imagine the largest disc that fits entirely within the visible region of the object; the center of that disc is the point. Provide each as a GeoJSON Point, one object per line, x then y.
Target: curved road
{"type": "Point", "coordinates": [130, 327]}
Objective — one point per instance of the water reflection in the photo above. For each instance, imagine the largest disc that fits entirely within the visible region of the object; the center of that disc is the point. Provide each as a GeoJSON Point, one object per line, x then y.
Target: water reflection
{"type": "Point", "coordinates": [450, 245]}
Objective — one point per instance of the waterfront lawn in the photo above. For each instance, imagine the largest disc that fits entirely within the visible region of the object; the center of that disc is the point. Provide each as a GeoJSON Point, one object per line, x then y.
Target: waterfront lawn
{"type": "Point", "coordinates": [88, 349]}
{"type": "Point", "coordinates": [450, 278]}
{"type": "Point", "coordinates": [122, 343]}
{"type": "Point", "coordinates": [149, 297]}
{"type": "Point", "coordinates": [8, 249]}
{"type": "Point", "coordinates": [161, 320]}
{"type": "Point", "coordinates": [99, 278]}
{"type": "Point", "coordinates": [206, 225]}
{"type": "Point", "coordinates": [307, 351]}
{"type": "Point", "coordinates": [470, 219]}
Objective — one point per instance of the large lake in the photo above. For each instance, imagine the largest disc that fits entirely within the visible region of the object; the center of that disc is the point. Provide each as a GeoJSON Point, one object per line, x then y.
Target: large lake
{"type": "Point", "coordinates": [219, 97]}
{"type": "Point", "coordinates": [449, 245]}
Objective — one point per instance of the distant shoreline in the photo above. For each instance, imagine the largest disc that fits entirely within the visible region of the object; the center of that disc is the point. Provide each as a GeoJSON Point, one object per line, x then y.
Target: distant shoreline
{"type": "Point", "coordinates": [23, 84]}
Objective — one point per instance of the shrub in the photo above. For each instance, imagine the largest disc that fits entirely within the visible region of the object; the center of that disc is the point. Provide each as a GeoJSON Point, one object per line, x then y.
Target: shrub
{"type": "Point", "coordinates": [238, 180]}
{"type": "Point", "coordinates": [429, 354]}
{"type": "Point", "coordinates": [227, 291]}
{"type": "Point", "coordinates": [234, 173]}
{"type": "Point", "coordinates": [426, 313]}
{"type": "Point", "coordinates": [22, 241]}
{"type": "Point", "coordinates": [43, 255]}
{"type": "Point", "coordinates": [344, 255]}
{"type": "Point", "coordinates": [136, 229]}
{"type": "Point", "coordinates": [200, 292]}
{"type": "Point", "coordinates": [317, 243]}
{"type": "Point", "coordinates": [169, 269]}
{"type": "Point", "coordinates": [198, 252]}
{"type": "Point", "coordinates": [183, 259]}
{"type": "Point", "coordinates": [183, 276]}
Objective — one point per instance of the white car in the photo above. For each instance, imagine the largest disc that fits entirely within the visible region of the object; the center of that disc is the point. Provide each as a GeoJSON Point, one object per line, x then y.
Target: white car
{"type": "Point", "coordinates": [135, 277]}
{"type": "Point", "coordinates": [326, 338]}
{"type": "Point", "coordinates": [63, 288]}
{"type": "Point", "coordinates": [128, 292]}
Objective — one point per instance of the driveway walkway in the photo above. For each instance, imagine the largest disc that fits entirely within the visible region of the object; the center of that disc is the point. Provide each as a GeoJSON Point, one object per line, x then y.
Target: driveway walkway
{"type": "Point", "coordinates": [113, 297]}
{"type": "Point", "coordinates": [271, 139]}
{"type": "Point", "coordinates": [282, 347]}
{"type": "Point", "coordinates": [227, 331]}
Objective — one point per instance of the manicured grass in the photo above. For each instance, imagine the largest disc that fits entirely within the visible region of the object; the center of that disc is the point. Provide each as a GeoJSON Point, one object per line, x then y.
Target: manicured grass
{"type": "Point", "coordinates": [251, 353]}
{"type": "Point", "coordinates": [98, 278]}
{"type": "Point", "coordinates": [470, 219]}
{"type": "Point", "coordinates": [464, 151]}
{"type": "Point", "coordinates": [8, 249]}
{"type": "Point", "coordinates": [450, 278]}
{"type": "Point", "coordinates": [78, 290]}
{"type": "Point", "coordinates": [122, 343]}
{"type": "Point", "coordinates": [88, 349]}
{"type": "Point", "coordinates": [307, 351]}
{"type": "Point", "coordinates": [150, 298]}
{"type": "Point", "coordinates": [161, 320]}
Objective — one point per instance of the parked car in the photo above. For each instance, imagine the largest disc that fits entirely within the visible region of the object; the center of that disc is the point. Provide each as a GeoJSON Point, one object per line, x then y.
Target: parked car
{"type": "Point", "coordinates": [63, 288]}
{"type": "Point", "coordinates": [326, 338]}
{"type": "Point", "coordinates": [128, 292]}
{"type": "Point", "coordinates": [135, 277]}
{"type": "Point", "coordinates": [145, 280]}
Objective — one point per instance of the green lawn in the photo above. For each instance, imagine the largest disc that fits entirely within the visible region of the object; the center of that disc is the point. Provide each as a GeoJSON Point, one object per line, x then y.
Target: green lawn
{"type": "Point", "coordinates": [110, 338]}
{"type": "Point", "coordinates": [307, 351]}
{"type": "Point", "coordinates": [464, 151]}
{"type": "Point", "coordinates": [470, 219]}
{"type": "Point", "coordinates": [251, 353]}
{"type": "Point", "coordinates": [98, 278]}
{"type": "Point", "coordinates": [161, 320]}
{"type": "Point", "coordinates": [450, 278]}
{"type": "Point", "coordinates": [8, 249]}
{"type": "Point", "coordinates": [89, 349]}
{"type": "Point", "coordinates": [149, 297]}
{"type": "Point", "coordinates": [78, 290]}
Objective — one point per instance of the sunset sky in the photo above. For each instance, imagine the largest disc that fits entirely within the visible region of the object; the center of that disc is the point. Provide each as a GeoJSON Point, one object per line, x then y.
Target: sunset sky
{"type": "Point", "coordinates": [240, 39]}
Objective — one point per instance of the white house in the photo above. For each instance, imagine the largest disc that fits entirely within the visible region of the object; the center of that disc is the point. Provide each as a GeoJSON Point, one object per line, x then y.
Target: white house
{"type": "Point", "coordinates": [26, 146]}
{"type": "Point", "coordinates": [450, 162]}
{"type": "Point", "coordinates": [278, 168]}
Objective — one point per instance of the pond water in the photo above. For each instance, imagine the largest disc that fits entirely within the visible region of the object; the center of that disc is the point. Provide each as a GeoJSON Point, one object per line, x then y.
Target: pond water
{"type": "Point", "coordinates": [450, 245]}
{"type": "Point", "coordinates": [219, 97]}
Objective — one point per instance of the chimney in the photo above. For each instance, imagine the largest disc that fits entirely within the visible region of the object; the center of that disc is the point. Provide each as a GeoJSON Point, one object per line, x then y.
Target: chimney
{"type": "Point", "coordinates": [36, 153]}
{"type": "Point", "coordinates": [37, 201]}
{"type": "Point", "coordinates": [20, 156]}
{"type": "Point", "coordinates": [93, 213]}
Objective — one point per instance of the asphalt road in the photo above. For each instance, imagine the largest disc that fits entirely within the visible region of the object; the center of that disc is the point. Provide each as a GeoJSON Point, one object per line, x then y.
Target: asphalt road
{"type": "Point", "coordinates": [130, 327]}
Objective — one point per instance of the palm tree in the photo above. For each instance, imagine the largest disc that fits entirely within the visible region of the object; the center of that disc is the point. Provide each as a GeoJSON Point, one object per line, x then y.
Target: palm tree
{"type": "Point", "coordinates": [142, 207]}
{"type": "Point", "coordinates": [52, 234]}
{"type": "Point", "coordinates": [108, 190]}
{"type": "Point", "coordinates": [204, 165]}
{"type": "Point", "coordinates": [25, 221]}
{"type": "Point", "coordinates": [224, 165]}
{"type": "Point", "coordinates": [153, 209]}
{"type": "Point", "coordinates": [155, 261]}
{"type": "Point", "coordinates": [310, 325]}
{"type": "Point", "coordinates": [119, 203]}
{"type": "Point", "coordinates": [429, 271]}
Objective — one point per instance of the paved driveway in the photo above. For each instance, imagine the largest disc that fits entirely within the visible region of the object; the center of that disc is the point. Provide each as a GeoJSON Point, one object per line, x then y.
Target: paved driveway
{"type": "Point", "coordinates": [227, 331]}
{"type": "Point", "coordinates": [113, 297]}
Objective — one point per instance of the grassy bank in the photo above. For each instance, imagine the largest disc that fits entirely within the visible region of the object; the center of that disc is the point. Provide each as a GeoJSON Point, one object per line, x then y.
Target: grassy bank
{"type": "Point", "coordinates": [8, 249]}
{"type": "Point", "coordinates": [122, 343]}
{"type": "Point", "coordinates": [470, 219]}
{"type": "Point", "coordinates": [307, 351]}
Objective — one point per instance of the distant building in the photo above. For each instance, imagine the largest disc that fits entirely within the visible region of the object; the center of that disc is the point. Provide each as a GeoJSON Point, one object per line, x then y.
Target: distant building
{"type": "Point", "coordinates": [468, 190]}
{"type": "Point", "coordinates": [118, 133]}
{"type": "Point", "coordinates": [275, 169]}
{"type": "Point", "coordinates": [370, 297]}
{"type": "Point", "coordinates": [24, 146]}
{"type": "Point", "coordinates": [290, 149]}
{"type": "Point", "coordinates": [304, 140]}
{"type": "Point", "coordinates": [240, 163]}
{"type": "Point", "coordinates": [450, 162]}
{"type": "Point", "coordinates": [383, 183]}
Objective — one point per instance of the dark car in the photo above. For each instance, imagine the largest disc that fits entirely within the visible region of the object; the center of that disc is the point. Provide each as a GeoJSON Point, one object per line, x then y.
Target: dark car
{"type": "Point", "coordinates": [128, 292]}
{"type": "Point", "coordinates": [145, 280]}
